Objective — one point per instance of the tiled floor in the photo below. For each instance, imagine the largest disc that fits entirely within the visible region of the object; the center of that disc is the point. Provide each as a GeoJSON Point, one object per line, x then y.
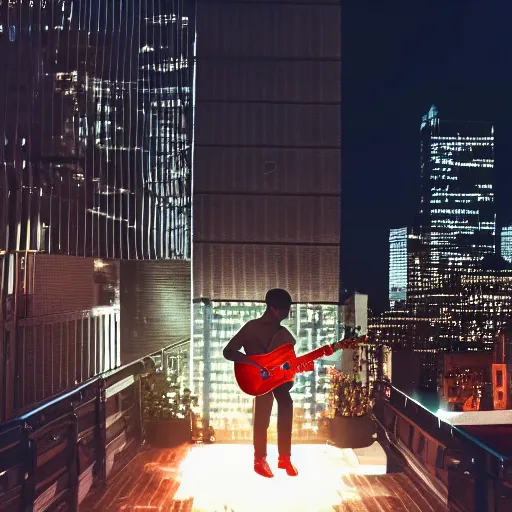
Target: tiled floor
{"type": "Point", "coordinates": [219, 478]}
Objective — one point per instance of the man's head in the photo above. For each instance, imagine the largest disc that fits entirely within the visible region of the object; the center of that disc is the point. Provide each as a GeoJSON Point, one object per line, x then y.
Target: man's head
{"type": "Point", "coordinates": [278, 303]}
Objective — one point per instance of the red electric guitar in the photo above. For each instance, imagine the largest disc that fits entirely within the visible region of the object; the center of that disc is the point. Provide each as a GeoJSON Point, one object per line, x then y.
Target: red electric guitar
{"type": "Point", "coordinates": [283, 364]}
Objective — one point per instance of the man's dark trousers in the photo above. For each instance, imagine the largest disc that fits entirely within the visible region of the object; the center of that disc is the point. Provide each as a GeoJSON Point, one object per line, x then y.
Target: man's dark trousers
{"type": "Point", "coordinates": [263, 410]}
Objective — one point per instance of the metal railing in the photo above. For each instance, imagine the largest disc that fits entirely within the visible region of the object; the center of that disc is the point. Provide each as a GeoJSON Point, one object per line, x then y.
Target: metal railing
{"type": "Point", "coordinates": [54, 454]}
{"type": "Point", "coordinates": [465, 473]}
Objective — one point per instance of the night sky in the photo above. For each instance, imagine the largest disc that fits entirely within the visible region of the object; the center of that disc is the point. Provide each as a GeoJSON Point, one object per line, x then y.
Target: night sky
{"type": "Point", "coordinates": [399, 57]}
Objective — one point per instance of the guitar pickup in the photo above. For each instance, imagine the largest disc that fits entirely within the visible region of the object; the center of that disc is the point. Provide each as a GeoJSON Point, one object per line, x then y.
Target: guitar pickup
{"type": "Point", "coordinates": [264, 374]}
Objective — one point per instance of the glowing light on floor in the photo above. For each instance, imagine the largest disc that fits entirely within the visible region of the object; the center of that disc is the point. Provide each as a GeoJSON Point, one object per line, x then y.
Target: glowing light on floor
{"type": "Point", "coordinates": [221, 478]}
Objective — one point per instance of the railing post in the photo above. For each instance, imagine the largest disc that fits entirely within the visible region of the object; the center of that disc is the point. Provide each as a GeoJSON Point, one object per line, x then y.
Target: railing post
{"type": "Point", "coordinates": [164, 362]}
{"type": "Point", "coordinates": [29, 471]}
{"type": "Point", "coordinates": [479, 465]}
{"type": "Point", "coordinates": [138, 398]}
{"type": "Point", "coordinates": [73, 464]}
{"type": "Point", "coordinates": [101, 434]}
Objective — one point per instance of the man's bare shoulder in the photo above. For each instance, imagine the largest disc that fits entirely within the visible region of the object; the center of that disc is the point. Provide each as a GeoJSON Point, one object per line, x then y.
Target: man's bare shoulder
{"type": "Point", "coordinates": [250, 324]}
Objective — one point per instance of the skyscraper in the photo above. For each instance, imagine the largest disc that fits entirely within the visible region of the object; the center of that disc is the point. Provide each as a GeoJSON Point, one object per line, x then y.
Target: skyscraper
{"type": "Point", "coordinates": [451, 293]}
{"type": "Point", "coordinates": [95, 131]}
{"type": "Point", "coordinates": [457, 211]}
{"type": "Point", "coordinates": [397, 267]}
{"type": "Point", "coordinates": [506, 243]}
{"type": "Point", "coordinates": [267, 166]}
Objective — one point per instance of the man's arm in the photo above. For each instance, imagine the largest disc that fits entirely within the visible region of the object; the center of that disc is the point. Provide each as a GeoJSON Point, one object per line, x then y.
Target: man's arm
{"type": "Point", "coordinates": [232, 349]}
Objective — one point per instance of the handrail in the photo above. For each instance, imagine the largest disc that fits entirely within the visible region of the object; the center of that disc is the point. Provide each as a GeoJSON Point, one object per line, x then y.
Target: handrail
{"type": "Point", "coordinates": [461, 432]}
{"type": "Point", "coordinates": [68, 393]}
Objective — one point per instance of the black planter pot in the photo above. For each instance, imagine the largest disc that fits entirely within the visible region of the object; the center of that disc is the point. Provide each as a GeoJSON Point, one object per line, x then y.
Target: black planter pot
{"type": "Point", "coordinates": [168, 433]}
{"type": "Point", "coordinates": [352, 432]}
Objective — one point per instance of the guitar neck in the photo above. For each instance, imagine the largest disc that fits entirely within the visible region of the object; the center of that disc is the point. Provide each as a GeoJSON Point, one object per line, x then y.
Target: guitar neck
{"type": "Point", "coordinates": [302, 362]}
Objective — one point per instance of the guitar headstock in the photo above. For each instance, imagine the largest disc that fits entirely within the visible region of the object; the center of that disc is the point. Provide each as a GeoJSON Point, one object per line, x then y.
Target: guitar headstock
{"type": "Point", "coordinates": [350, 342]}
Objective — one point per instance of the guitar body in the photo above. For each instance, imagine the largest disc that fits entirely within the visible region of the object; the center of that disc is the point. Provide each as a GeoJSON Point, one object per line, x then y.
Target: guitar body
{"type": "Point", "coordinates": [283, 364]}
{"type": "Point", "coordinates": [249, 378]}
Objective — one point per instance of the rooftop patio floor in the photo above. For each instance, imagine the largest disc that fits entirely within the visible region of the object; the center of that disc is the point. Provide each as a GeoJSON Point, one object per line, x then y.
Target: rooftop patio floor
{"type": "Point", "coordinates": [219, 477]}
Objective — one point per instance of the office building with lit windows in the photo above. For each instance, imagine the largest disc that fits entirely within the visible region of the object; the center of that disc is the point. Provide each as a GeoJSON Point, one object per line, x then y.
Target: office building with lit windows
{"type": "Point", "coordinates": [485, 303]}
{"type": "Point", "coordinates": [222, 403]}
{"type": "Point", "coordinates": [453, 292]}
{"type": "Point", "coordinates": [397, 267]}
{"type": "Point", "coordinates": [267, 165]}
{"type": "Point", "coordinates": [457, 210]}
{"type": "Point", "coordinates": [506, 243]}
{"type": "Point", "coordinates": [95, 204]}
{"type": "Point", "coordinates": [457, 219]}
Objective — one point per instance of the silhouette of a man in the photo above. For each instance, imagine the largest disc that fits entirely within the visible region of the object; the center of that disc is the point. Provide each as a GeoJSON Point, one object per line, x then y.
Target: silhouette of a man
{"type": "Point", "coordinates": [261, 336]}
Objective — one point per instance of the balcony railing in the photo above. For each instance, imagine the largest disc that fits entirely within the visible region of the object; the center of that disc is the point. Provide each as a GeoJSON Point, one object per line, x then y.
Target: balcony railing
{"type": "Point", "coordinates": [463, 471]}
{"type": "Point", "coordinates": [53, 455]}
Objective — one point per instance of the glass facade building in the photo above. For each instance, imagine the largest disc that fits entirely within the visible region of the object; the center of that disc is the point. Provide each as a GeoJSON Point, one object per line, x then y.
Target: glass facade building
{"type": "Point", "coordinates": [457, 219]}
{"type": "Point", "coordinates": [95, 127]}
{"type": "Point", "coordinates": [95, 150]}
{"type": "Point", "coordinates": [397, 267]}
{"type": "Point", "coordinates": [506, 243]}
{"type": "Point", "coordinates": [457, 211]}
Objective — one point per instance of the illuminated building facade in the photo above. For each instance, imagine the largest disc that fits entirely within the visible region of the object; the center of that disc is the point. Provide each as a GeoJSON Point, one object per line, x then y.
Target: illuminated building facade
{"type": "Point", "coordinates": [506, 243]}
{"type": "Point", "coordinates": [449, 296]}
{"type": "Point", "coordinates": [267, 166]}
{"type": "Point", "coordinates": [397, 267]}
{"type": "Point", "coordinates": [96, 134]}
{"type": "Point", "coordinates": [485, 303]}
{"type": "Point", "coordinates": [502, 369]}
{"type": "Point", "coordinates": [457, 211]}
{"type": "Point", "coordinates": [267, 185]}
{"type": "Point", "coordinates": [228, 409]}
{"type": "Point", "coordinates": [464, 380]}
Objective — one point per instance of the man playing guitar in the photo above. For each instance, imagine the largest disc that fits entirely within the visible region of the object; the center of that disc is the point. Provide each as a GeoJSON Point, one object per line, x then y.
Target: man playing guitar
{"type": "Point", "coordinates": [261, 336]}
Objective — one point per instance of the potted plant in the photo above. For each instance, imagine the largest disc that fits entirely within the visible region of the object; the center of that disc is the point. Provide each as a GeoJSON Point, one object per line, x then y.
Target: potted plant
{"type": "Point", "coordinates": [350, 421]}
{"type": "Point", "coordinates": [166, 411]}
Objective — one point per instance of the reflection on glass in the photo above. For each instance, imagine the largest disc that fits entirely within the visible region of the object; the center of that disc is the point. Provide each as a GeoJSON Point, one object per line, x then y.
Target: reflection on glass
{"type": "Point", "coordinates": [95, 125]}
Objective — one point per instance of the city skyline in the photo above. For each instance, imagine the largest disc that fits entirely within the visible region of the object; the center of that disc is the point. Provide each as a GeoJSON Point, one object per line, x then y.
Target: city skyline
{"type": "Point", "coordinates": [387, 87]}
{"type": "Point", "coordinates": [499, 230]}
{"type": "Point", "coordinates": [447, 283]}
{"type": "Point", "coordinates": [456, 211]}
